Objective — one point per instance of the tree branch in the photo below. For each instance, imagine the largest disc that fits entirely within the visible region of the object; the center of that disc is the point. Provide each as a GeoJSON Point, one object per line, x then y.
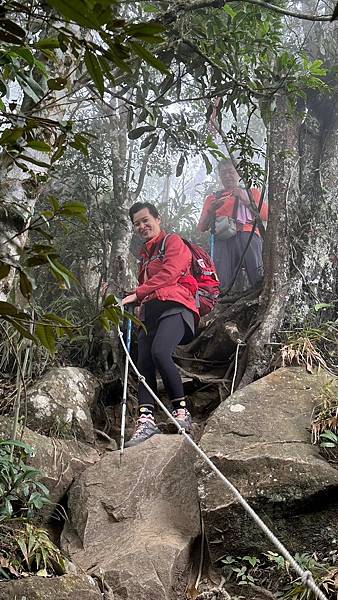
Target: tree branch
{"type": "Point", "coordinates": [214, 65]}
{"type": "Point", "coordinates": [172, 15]}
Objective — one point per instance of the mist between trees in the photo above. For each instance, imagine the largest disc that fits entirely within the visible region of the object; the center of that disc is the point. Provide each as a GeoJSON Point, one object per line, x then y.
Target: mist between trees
{"type": "Point", "coordinates": [108, 103]}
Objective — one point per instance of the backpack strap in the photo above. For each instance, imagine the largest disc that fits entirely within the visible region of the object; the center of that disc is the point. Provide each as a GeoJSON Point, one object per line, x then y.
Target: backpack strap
{"type": "Point", "coordinates": [159, 254]}
{"type": "Point", "coordinates": [235, 209]}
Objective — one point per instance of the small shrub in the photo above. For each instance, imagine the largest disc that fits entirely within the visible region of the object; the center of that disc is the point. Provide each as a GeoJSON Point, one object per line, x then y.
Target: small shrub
{"type": "Point", "coordinates": [24, 547]}
{"type": "Point", "coordinates": [27, 549]}
{"type": "Point", "coordinates": [22, 495]}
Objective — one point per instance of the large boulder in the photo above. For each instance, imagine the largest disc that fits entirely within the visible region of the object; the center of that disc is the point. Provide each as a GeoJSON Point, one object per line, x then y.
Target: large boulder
{"type": "Point", "coordinates": [60, 403]}
{"type": "Point", "coordinates": [134, 524]}
{"type": "Point", "coordinates": [259, 438]}
{"type": "Point", "coordinates": [58, 460]}
{"type": "Point", "coordinates": [67, 587]}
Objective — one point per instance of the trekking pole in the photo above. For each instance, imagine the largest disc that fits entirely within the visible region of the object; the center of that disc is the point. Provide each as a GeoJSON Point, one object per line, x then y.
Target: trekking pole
{"type": "Point", "coordinates": [125, 387]}
{"type": "Point", "coordinates": [212, 237]}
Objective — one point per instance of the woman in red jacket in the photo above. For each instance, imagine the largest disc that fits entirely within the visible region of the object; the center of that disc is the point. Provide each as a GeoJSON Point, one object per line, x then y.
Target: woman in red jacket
{"type": "Point", "coordinates": [166, 294]}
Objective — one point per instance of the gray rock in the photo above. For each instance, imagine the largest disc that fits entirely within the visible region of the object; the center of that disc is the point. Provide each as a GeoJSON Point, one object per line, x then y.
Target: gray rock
{"type": "Point", "coordinates": [259, 438]}
{"type": "Point", "coordinates": [60, 403]}
{"type": "Point", "coordinates": [135, 524]}
{"type": "Point", "coordinates": [58, 460]}
{"type": "Point", "coordinates": [67, 587]}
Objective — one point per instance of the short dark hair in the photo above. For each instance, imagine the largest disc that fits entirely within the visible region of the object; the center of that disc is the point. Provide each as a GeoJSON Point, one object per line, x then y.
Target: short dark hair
{"type": "Point", "coordinates": [140, 206]}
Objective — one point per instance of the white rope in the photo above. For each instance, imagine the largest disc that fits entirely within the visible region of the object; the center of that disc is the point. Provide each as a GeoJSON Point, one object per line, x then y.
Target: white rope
{"type": "Point", "coordinates": [305, 576]}
{"type": "Point", "coordinates": [236, 367]}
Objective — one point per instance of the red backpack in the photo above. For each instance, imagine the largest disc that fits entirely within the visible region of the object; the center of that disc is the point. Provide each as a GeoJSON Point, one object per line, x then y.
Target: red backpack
{"type": "Point", "coordinates": [204, 271]}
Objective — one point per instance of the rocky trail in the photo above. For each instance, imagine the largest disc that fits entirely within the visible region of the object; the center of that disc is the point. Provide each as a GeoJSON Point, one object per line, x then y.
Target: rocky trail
{"type": "Point", "coordinates": [134, 531]}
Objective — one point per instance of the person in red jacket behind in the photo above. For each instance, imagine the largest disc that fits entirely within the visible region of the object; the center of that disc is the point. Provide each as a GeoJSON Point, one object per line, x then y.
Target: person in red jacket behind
{"type": "Point", "coordinates": [166, 294]}
{"type": "Point", "coordinates": [228, 252]}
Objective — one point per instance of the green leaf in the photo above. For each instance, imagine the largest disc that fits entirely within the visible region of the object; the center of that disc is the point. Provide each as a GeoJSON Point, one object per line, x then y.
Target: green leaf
{"type": "Point", "coordinates": [4, 269]}
{"type": "Point", "coordinates": [75, 10]}
{"type": "Point", "coordinates": [211, 143]}
{"type": "Point", "coordinates": [152, 60]}
{"type": "Point", "coordinates": [46, 335]}
{"type": "Point", "coordinates": [207, 162]}
{"type": "Point", "coordinates": [26, 286]}
{"type": "Point", "coordinates": [55, 203]}
{"type": "Point", "coordinates": [3, 92]}
{"type": "Point", "coordinates": [104, 322]}
{"type": "Point", "coordinates": [58, 154]}
{"type": "Point", "coordinates": [59, 83]}
{"type": "Point", "coordinates": [149, 28]}
{"type": "Point", "coordinates": [111, 314]}
{"type": "Point", "coordinates": [80, 143]}
{"type": "Point", "coordinates": [330, 435]}
{"type": "Point", "coordinates": [21, 329]}
{"type": "Point", "coordinates": [11, 136]}
{"type": "Point", "coordinates": [134, 319]}
{"type": "Point", "coordinates": [61, 272]}
{"type": "Point", "coordinates": [29, 86]}
{"type": "Point", "coordinates": [13, 28]}
{"type": "Point", "coordinates": [180, 165]}
{"type": "Point", "coordinates": [18, 444]}
{"type": "Point", "coordinates": [39, 145]}
{"type": "Point", "coordinates": [229, 10]}
{"type": "Point", "coordinates": [151, 8]}
{"type": "Point", "coordinates": [134, 134]}
{"type": "Point", "coordinates": [74, 209]}
{"type": "Point", "coordinates": [30, 159]}
{"type": "Point", "coordinates": [7, 309]}
{"type": "Point", "coordinates": [322, 306]}
{"type": "Point", "coordinates": [95, 71]}
{"type": "Point", "coordinates": [66, 327]}
{"type": "Point", "coordinates": [110, 300]}
{"type": "Point", "coordinates": [24, 53]}
{"type": "Point", "coordinates": [47, 43]}
{"type": "Point", "coordinates": [36, 261]}
{"type": "Point", "coordinates": [106, 69]}
{"type": "Point", "coordinates": [147, 141]}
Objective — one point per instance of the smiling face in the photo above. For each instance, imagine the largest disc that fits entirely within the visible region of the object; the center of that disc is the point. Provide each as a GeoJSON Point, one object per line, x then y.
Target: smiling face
{"type": "Point", "coordinates": [228, 175]}
{"type": "Point", "coordinates": [146, 225]}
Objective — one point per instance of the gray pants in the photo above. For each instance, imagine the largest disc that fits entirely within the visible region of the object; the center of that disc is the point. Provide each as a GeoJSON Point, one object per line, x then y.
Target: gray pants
{"type": "Point", "coordinates": [227, 255]}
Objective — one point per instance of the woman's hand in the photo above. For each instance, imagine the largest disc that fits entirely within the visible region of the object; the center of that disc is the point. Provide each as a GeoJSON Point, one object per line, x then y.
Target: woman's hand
{"type": "Point", "coordinates": [131, 299]}
{"type": "Point", "coordinates": [214, 205]}
{"type": "Point", "coordinates": [242, 196]}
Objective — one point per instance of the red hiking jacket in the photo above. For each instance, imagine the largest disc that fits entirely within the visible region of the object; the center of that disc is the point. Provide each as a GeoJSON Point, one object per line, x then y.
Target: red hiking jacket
{"type": "Point", "coordinates": [169, 277]}
{"type": "Point", "coordinates": [228, 208]}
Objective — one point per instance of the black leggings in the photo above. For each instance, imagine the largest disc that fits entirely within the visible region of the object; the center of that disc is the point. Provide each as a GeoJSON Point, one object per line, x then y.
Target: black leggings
{"type": "Point", "coordinates": [155, 351]}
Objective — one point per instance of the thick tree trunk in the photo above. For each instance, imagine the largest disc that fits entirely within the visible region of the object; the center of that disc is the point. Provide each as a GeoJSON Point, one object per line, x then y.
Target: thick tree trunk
{"type": "Point", "coordinates": [300, 244]}
{"type": "Point", "coordinates": [283, 191]}
{"type": "Point", "coordinates": [119, 270]}
{"type": "Point", "coordinates": [19, 190]}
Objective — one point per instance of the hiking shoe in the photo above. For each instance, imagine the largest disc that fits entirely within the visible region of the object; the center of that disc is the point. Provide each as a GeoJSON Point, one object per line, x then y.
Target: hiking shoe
{"type": "Point", "coordinates": [183, 416]}
{"type": "Point", "coordinates": [145, 429]}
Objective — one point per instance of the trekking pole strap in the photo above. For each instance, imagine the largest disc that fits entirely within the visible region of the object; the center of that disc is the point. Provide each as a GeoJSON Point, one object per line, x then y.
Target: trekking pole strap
{"type": "Point", "coordinates": [306, 576]}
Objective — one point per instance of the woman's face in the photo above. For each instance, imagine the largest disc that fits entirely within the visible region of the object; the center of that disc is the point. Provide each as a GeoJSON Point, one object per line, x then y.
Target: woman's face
{"type": "Point", "coordinates": [228, 176]}
{"type": "Point", "coordinates": [146, 225]}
